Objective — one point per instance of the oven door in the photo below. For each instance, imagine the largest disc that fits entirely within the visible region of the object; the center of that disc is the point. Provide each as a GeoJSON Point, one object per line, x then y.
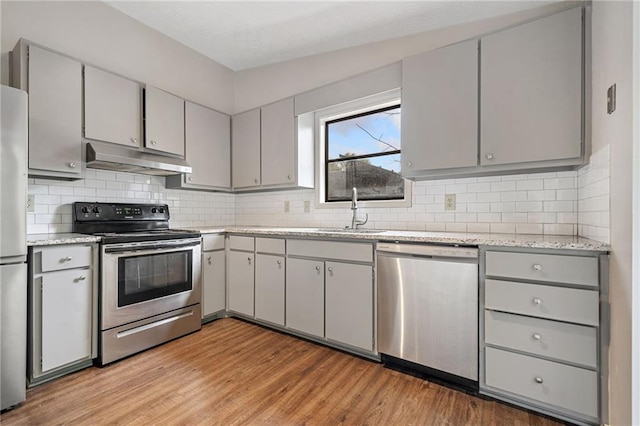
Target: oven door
{"type": "Point", "coordinates": [140, 280]}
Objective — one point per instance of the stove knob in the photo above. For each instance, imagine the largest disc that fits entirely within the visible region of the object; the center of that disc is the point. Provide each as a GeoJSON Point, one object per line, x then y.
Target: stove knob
{"type": "Point", "coordinates": [161, 210]}
{"type": "Point", "coordinates": [85, 210]}
{"type": "Point", "coordinates": [154, 210]}
{"type": "Point", "coordinates": [97, 210]}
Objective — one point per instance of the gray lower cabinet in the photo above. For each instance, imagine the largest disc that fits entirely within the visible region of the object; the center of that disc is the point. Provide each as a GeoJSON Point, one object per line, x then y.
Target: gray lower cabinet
{"type": "Point", "coordinates": [241, 280]}
{"type": "Point", "coordinates": [269, 295]}
{"type": "Point", "coordinates": [329, 292]}
{"type": "Point", "coordinates": [62, 310]}
{"type": "Point", "coordinates": [305, 296]}
{"type": "Point", "coordinates": [54, 84]}
{"type": "Point", "coordinates": [543, 322]}
{"type": "Point", "coordinates": [213, 275]}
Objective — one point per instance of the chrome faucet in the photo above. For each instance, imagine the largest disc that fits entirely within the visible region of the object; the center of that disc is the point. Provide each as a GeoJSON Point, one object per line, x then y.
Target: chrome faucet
{"type": "Point", "coordinates": [354, 208]}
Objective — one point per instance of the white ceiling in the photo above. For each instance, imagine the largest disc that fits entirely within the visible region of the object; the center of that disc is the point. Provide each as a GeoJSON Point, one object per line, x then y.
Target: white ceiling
{"type": "Point", "coordinates": [247, 34]}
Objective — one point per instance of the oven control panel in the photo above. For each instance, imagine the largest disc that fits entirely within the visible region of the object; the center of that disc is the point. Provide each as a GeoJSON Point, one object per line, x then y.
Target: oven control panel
{"type": "Point", "coordinates": [91, 212]}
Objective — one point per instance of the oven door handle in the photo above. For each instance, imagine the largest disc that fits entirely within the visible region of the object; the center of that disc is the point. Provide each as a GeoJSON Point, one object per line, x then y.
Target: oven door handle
{"type": "Point", "coordinates": [137, 248]}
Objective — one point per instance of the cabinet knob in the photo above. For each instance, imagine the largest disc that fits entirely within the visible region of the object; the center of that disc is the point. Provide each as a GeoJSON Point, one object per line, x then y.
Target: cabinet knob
{"type": "Point", "coordinates": [279, 262]}
{"type": "Point", "coordinates": [539, 379]}
{"type": "Point", "coordinates": [133, 140]}
{"type": "Point", "coordinates": [66, 259]}
{"type": "Point", "coordinates": [81, 278]}
{"type": "Point", "coordinates": [190, 178]}
{"type": "Point", "coordinates": [153, 142]}
{"type": "Point", "coordinates": [72, 165]}
{"type": "Point", "coordinates": [249, 260]}
{"type": "Point", "coordinates": [317, 268]}
{"type": "Point", "coordinates": [330, 269]}
{"type": "Point", "coordinates": [537, 267]}
{"type": "Point", "coordinates": [255, 181]}
{"type": "Point", "coordinates": [209, 260]}
{"type": "Point", "coordinates": [537, 301]}
{"type": "Point", "coordinates": [288, 177]}
{"type": "Point", "coordinates": [409, 163]}
{"type": "Point", "coordinates": [489, 156]}
{"type": "Point", "coordinates": [536, 336]}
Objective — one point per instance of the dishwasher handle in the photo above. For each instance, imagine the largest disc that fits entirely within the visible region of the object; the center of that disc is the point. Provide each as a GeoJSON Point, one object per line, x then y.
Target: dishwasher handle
{"type": "Point", "coordinates": [429, 250]}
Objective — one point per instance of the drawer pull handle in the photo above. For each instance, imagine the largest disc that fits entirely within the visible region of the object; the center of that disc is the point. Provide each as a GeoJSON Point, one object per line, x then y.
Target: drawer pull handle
{"type": "Point", "coordinates": [536, 336]}
{"type": "Point", "coordinates": [209, 260]}
{"type": "Point", "coordinates": [81, 278]}
{"type": "Point", "coordinates": [539, 379]}
{"type": "Point", "coordinates": [66, 259]}
{"type": "Point", "coordinates": [537, 267]}
{"type": "Point", "coordinates": [537, 301]}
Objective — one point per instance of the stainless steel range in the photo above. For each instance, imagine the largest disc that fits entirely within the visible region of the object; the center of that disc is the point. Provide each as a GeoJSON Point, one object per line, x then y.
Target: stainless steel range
{"type": "Point", "coordinates": [149, 276]}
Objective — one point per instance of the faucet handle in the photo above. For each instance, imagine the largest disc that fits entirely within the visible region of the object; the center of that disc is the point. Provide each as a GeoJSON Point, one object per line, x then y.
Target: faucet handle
{"type": "Point", "coordinates": [366, 219]}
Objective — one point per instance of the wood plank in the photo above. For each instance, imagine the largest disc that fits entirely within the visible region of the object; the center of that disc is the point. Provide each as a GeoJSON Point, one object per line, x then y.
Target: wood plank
{"type": "Point", "coordinates": [233, 372]}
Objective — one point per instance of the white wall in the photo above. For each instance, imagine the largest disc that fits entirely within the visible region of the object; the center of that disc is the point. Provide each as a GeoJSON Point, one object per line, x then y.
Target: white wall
{"type": "Point", "coordinates": [100, 35]}
{"type": "Point", "coordinates": [262, 85]}
{"type": "Point", "coordinates": [612, 55]}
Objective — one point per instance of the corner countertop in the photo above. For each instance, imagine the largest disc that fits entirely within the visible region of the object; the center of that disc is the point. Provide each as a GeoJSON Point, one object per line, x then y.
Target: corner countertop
{"type": "Point", "coordinates": [471, 239]}
{"type": "Point", "coordinates": [57, 239]}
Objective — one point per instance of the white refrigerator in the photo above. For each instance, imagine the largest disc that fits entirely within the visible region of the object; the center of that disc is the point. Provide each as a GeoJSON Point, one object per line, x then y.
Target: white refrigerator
{"type": "Point", "coordinates": [13, 246]}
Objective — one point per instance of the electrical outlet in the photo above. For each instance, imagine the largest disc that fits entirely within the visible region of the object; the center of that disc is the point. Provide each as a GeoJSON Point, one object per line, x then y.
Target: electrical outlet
{"type": "Point", "coordinates": [31, 203]}
{"type": "Point", "coordinates": [287, 206]}
{"type": "Point", "coordinates": [450, 202]}
{"type": "Point", "coordinates": [307, 206]}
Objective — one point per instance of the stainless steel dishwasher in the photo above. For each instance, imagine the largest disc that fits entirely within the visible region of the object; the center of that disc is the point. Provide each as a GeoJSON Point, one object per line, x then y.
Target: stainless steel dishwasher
{"type": "Point", "coordinates": [428, 310]}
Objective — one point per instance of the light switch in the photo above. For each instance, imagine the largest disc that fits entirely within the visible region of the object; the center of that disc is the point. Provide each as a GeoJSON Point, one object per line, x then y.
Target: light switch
{"type": "Point", "coordinates": [611, 99]}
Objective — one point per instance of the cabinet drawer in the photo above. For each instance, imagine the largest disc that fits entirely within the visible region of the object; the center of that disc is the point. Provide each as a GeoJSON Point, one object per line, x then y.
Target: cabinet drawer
{"type": "Point", "coordinates": [571, 388]}
{"type": "Point", "coordinates": [553, 339]}
{"type": "Point", "coordinates": [356, 252]}
{"type": "Point", "coordinates": [212, 242]}
{"type": "Point", "coordinates": [270, 245]}
{"type": "Point", "coordinates": [559, 303]}
{"type": "Point", "coordinates": [543, 267]}
{"type": "Point", "coordinates": [65, 257]}
{"type": "Point", "coordinates": [241, 243]}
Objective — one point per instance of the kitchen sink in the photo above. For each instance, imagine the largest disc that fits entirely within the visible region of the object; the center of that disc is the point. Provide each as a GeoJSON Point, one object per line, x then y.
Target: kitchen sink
{"type": "Point", "coordinates": [351, 231]}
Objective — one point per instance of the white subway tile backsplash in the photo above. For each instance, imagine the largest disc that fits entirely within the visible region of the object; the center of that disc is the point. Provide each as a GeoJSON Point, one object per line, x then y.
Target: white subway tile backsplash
{"type": "Point", "coordinates": [593, 191]}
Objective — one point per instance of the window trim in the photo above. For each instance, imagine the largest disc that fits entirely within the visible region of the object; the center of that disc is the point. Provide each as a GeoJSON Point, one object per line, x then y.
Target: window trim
{"type": "Point", "coordinates": [362, 105]}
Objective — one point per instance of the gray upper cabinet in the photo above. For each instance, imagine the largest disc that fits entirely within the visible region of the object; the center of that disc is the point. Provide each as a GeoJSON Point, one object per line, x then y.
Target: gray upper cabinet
{"type": "Point", "coordinates": [164, 121]}
{"type": "Point", "coordinates": [531, 87]}
{"type": "Point", "coordinates": [278, 136]}
{"type": "Point", "coordinates": [54, 84]}
{"type": "Point", "coordinates": [112, 108]}
{"type": "Point", "coordinates": [440, 109]}
{"type": "Point", "coordinates": [245, 137]}
{"type": "Point", "coordinates": [208, 150]}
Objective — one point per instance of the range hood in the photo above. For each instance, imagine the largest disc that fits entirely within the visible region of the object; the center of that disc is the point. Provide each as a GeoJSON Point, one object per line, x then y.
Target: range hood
{"type": "Point", "coordinates": [120, 159]}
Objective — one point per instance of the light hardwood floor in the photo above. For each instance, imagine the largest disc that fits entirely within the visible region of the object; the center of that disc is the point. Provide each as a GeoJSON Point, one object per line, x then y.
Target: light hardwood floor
{"type": "Point", "coordinates": [234, 373]}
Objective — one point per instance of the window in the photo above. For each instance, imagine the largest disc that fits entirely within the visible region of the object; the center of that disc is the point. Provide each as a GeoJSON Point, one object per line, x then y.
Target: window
{"type": "Point", "coordinates": [362, 150]}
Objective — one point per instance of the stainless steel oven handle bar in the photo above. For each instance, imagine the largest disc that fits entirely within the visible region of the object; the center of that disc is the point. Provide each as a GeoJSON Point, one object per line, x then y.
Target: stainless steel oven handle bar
{"type": "Point", "coordinates": [151, 246]}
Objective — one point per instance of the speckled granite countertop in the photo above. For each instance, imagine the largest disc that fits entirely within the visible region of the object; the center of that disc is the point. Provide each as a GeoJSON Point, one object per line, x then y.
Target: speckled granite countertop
{"type": "Point", "coordinates": [479, 239]}
{"type": "Point", "coordinates": [55, 239]}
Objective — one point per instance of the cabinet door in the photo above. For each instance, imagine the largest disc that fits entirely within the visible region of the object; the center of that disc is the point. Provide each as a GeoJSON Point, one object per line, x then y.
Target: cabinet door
{"type": "Point", "coordinates": [349, 306]}
{"type": "Point", "coordinates": [245, 139]}
{"type": "Point", "coordinates": [440, 109]}
{"type": "Point", "coordinates": [241, 279]}
{"type": "Point", "coordinates": [208, 146]}
{"type": "Point", "coordinates": [164, 121]}
{"type": "Point", "coordinates": [531, 91]}
{"type": "Point", "coordinates": [270, 288]}
{"type": "Point", "coordinates": [112, 108]}
{"type": "Point", "coordinates": [278, 143]}
{"type": "Point", "coordinates": [305, 296]}
{"type": "Point", "coordinates": [66, 317]}
{"type": "Point", "coordinates": [55, 112]}
{"type": "Point", "coordinates": [213, 282]}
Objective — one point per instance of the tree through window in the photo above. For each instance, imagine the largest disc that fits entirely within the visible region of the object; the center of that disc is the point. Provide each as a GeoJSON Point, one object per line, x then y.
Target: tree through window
{"type": "Point", "coordinates": [363, 151]}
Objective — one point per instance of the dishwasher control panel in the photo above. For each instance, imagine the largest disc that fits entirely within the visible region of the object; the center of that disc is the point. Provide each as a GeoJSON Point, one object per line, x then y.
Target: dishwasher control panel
{"type": "Point", "coordinates": [428, 250]}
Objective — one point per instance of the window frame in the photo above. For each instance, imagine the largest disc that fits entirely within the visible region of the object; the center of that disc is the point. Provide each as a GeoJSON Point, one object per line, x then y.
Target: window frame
{"type": "Point", "coordinates": [328, 161]}
{"type": "Point", "coordinates": [351, 108]}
